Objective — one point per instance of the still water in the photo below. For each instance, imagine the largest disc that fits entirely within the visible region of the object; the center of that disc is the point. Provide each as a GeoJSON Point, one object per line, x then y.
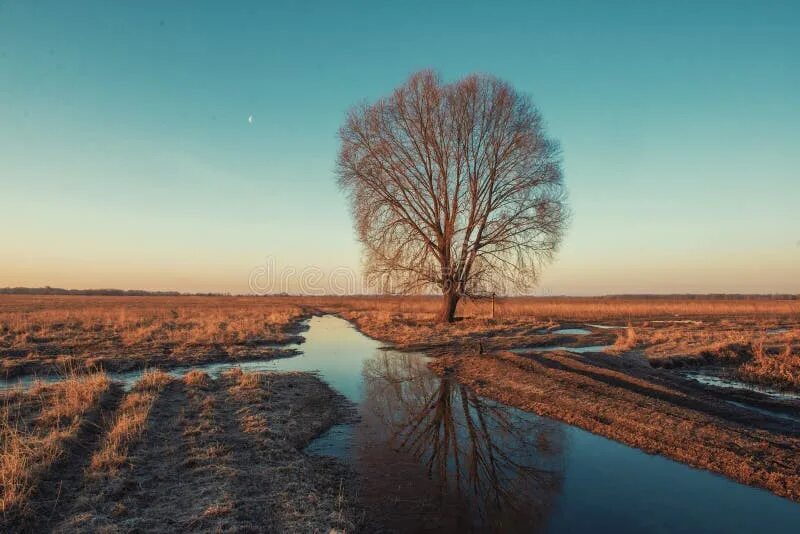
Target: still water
{"type": "Point", "coordinates": [722, 378]}
{"type": "Point", "coordinates": [430, 452]}
{"type": "Point", "coordinates": [552, 348]}
{"type": "Point", "coordinates": [431, 455]}
{"type": "Point", "coordinates": [571, 331]}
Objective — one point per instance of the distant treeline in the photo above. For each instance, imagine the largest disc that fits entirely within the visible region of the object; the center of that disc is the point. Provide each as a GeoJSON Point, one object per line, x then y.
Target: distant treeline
{"type": "Point", "coordinates": [99, 292]}
{"type": "Point", "coordinates": [143, 293]}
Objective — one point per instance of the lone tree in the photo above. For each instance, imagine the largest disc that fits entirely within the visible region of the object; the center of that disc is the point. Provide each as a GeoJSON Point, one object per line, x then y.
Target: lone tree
{"type": "Point", "coordinates": [452, 186]}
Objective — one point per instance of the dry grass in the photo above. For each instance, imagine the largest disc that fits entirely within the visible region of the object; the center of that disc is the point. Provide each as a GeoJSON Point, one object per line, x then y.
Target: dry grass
{"type": "Point", "coordinates": [58, 332]}
{"type": "Point", "coordinates": [128, 424]}
{"type": "Point", "coordinates": [626, 341]}
{"type": "Point", "coordinates": [567, 308]}
{"type": "Point", "coordinates": [234, 373]}
{"type": "Point", "coordinates": [758, 355]}
{"type": "Point", "coordinates": [35, 427]}
{"type": "Point", "coordinates": [775, 363]}
{"type": "Point", "coordinates": [134, 320]}
{"type": "Point", "coordinates": [197, 379]}
{"type": "Point", "coordinates": [192, 461]}
{"type": "Point", "coordinates": [152, 381]}
{"type": "Point", "coordinates": [252, 387]}
{"type": "Point", "coordinates": [249, 380]}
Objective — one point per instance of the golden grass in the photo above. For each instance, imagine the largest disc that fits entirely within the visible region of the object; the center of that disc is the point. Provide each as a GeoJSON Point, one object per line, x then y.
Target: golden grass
{"type": "Point", "coordinates": [249, 380]}
{"type": "Point", "coordinates": [129, 423]}
{"type": "Point", "coordinates": [23, 457]}
{"type": "Point", "coordinates": [35, 425]}
{"type": "Point", "coordinates": [760, 357]}
{"type": "Point", "coordinates": [253, 387]}
{"type": "Point", "coordinates": [775, 363]}
{"type": "Point", "coordinates": [88, 325]}
{"type": "Point", "coordinates": [153, 381]}
{"type": "Point", "coordinates": [187, 320]}
{"type": "Point", "coordinates": [234, 373]}
{"type": "Point", "coordinates": [70, 398]}
{"type": "Point", "coordinates": [195, 378]}
{"type": "Point", "coordinates": [566, 308]}
{"type": "Point", "coordinates": [626, 341]}
{"type": "Point", "coordinates": [666, 328]}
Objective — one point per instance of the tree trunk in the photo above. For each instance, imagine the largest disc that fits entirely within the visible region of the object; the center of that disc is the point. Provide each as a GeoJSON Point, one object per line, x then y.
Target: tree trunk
{"type": "Point", "coordinates": [449, 302]}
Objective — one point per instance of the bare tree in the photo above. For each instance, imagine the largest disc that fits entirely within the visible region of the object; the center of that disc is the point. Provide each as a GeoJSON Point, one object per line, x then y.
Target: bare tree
{"type": "Point", "coordinates": [452, 186]}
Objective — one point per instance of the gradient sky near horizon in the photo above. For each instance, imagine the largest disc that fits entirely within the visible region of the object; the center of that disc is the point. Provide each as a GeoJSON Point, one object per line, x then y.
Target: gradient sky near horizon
{"type": "Point", "coordinates": [127, 158]}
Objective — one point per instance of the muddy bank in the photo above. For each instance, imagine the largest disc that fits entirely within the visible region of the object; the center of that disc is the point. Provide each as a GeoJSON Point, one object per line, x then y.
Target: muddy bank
{"type": "Point", "coordinates": [209, 456]}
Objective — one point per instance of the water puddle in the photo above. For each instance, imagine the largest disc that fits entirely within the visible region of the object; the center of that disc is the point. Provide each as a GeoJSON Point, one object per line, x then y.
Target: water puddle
{"type": "Point", "coordinates": [571, 331]}
{"type": "Point", "coordinates": [429, 454]}
{"type": "Point", "coordinates": [718, 378]}
{"type": "Point", "coordinates": [605, 326]}
{"type": "Point", "coordinates": [551, 348]}
{"type": "Point", "coordinates": [773, 331]}
{"type": "Point", "coordinates": [129, 378]}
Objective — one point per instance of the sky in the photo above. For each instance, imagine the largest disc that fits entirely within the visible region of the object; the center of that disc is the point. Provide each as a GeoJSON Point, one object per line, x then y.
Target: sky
{"type": "Point", "coordinates": [192, 146]}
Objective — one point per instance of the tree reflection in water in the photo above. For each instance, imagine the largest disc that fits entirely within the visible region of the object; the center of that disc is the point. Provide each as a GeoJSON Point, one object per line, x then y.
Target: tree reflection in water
{"type": "Point", "coordinates": [489, 466]}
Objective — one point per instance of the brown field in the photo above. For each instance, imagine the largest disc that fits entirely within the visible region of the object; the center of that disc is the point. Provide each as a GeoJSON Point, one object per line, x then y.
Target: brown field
{"type": "Point", "coordinates": [96, 459]}
{"type": "Point", "coordinates": [232, 443]}
{"type": "Point", "coordinates": [574, 308]}
{"type": "Point", "coordinates": [38, 428]}
{"type": "Point", "coordinates": [46, 335]}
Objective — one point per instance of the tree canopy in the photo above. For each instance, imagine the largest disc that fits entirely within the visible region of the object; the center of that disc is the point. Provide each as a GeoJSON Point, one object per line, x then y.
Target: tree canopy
{"type": "Point", "coordinates": [453, 186]}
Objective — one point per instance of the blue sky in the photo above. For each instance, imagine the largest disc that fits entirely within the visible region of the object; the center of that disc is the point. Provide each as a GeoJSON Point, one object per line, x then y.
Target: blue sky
{"type": "Point", "coordinates": [127, 158]}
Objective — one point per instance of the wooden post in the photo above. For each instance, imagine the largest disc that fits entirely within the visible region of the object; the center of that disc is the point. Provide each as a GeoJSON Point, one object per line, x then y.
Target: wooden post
{"type": "Point", "coordinates": [493, 304]}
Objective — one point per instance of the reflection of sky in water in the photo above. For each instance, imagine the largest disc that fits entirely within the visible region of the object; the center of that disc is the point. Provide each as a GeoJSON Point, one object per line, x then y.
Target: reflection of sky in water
{"type": "Point", "coordinates": [551, 348]}
{"type": "Point", "coordinates": [572, 331]}
{"type": "Point", "coordinates": [714, 378]}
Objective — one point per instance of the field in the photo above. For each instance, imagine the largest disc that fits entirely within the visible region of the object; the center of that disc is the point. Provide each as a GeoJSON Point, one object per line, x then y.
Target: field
{"type": "Point", "coordinates": [46, 335]}
{"type": "Point", "coordinates": [201, 454]}
{"type": "Point", "coordinates": [227, 453]}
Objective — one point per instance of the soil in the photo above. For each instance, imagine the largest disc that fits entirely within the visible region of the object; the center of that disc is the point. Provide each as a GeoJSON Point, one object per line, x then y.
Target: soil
{"type": "Point", "coordinates": [221, 455]}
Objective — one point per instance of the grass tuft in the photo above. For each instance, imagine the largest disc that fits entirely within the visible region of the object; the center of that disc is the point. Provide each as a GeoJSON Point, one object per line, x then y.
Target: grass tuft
{"type": "Point", "coordinates": [36, 426]}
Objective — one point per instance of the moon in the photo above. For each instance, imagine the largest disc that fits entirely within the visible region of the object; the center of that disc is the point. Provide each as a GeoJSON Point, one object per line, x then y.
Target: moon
{"type": "Point", "coordinates": [250, 119]}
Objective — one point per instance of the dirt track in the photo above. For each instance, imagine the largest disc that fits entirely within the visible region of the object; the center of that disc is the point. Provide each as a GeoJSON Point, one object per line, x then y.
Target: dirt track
{"type": "Point", "coordinates": [222, 455]}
